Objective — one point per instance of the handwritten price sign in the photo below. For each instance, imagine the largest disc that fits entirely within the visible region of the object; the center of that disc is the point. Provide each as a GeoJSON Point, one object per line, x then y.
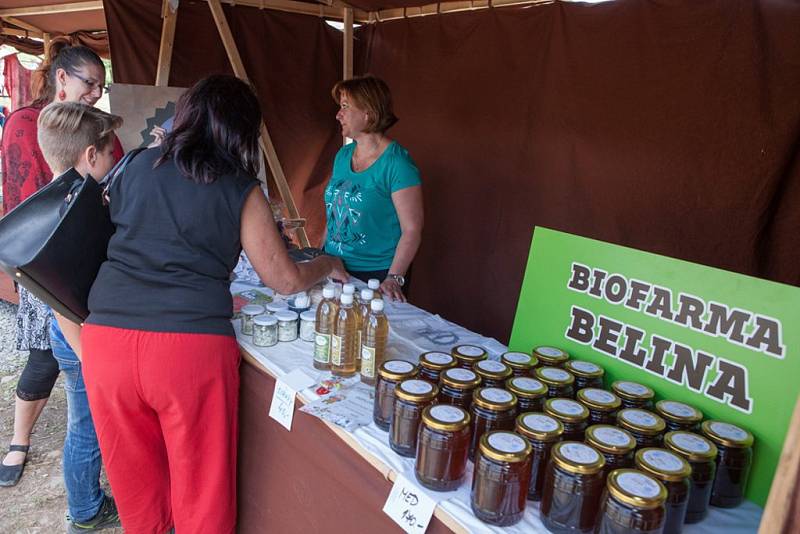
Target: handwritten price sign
{"type": "Point", "coordinates": [409, 506]}
{"type": "Point", "coordinates": [282, 407]}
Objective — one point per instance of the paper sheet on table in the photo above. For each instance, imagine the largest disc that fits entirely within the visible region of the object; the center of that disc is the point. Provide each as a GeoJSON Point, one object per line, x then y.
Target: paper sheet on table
{"type": "Point", "coordinates": [348, 408]}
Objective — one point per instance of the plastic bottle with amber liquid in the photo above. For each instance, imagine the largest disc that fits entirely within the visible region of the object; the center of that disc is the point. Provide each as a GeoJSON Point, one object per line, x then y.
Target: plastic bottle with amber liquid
{"type": "Point", "coordinates": [373, 347]}
{"type": "Point", "coordinates": [735, 446]}
{"type": "Point", "coordinates": [344, 339]}
{"type": "Point", "coordinates": [362, 311]}
{"type": "Point", "coordinates": [375, 285]}
{"type": "Point", "coordinates": [324, 326]}
{"type": "Point", "coordinates": [542, 432]}
{"type": "Point", "coordinates": [674, 472]}
{"type": "Point", "coordinates": [501, 478]}
{"type": "Point", "coordinates": [632, 503]}
{"type": "Point", "coordinates": [701, 454]}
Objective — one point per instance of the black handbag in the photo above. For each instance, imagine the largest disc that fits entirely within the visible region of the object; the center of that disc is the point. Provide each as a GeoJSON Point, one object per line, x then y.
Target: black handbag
{"type": "Point", "coordinates": [54, 242]}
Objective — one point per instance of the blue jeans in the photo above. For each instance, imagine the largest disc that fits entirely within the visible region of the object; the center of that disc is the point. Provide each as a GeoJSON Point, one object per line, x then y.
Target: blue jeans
{"type": "Point", "coordinates": [82, 460]}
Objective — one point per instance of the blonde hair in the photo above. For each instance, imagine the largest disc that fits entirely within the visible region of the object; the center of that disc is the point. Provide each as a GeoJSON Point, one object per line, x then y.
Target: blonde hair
{"type": "Point", "coordinates": [66, 129]}
{"type": "Point", "coordinates": [371, 94]}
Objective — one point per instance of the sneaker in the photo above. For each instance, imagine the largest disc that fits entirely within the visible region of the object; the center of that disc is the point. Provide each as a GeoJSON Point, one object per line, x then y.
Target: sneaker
{"type": "Point", "coordinates": [107, 517]}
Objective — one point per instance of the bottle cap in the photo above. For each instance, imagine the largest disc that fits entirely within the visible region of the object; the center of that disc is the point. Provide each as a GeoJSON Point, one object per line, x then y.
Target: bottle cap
{"type": "Point", "coordinates": [374, 284]}
{"type": "Point", "coordinates": [347, 298]}
{"type": "Point", "coordinates": [301, 301]}
{"type": "Point", "coordinates": [286, 315]}
{"type": "Point", "coordinates": [308, 315]}
{"type": "Point", "coordinates": [265, 320]}
{"type": "Point", "coordinates": [349, 289]}
{"type": "Point", "coordinates": [367, 294]}
{"type": "Point", "coordinates": [376, 305]}
{"type": "Point", "coordinates": [328, 292]}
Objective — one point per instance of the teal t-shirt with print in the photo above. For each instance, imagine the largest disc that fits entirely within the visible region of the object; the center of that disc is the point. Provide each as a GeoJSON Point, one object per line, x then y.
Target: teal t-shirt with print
{"type": "Point", "coordinates": [363, 228]}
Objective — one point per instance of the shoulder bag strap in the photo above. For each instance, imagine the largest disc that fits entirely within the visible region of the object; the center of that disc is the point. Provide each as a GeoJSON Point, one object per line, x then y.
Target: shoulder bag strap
{"type": "Point", "coordinates": [114, 173]}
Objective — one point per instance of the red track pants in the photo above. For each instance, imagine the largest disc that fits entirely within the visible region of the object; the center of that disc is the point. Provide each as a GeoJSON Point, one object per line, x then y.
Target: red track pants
{"type": "Point", "coordinates": [165, 407]}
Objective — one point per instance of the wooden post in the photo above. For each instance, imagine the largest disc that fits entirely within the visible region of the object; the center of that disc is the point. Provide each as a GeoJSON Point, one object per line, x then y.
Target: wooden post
{"type": "Point", "coordinates": [266, 141]}
{"type": "Point", "coordinates": [347, 57]}
{"type": "Point", "coordinates": [167, 39]}
{"type": "Point", "coordinates": [46, 40]}
{"type": "Point", "coordinates": [780, 514]}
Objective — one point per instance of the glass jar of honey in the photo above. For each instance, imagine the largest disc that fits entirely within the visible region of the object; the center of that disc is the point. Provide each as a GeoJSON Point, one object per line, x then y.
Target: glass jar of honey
{"type": "Point", "coordinates": [492, 409]}
{"type": "Point", "coordinates": [411, 397]}
{"type": "Point", "coordinates": [572, 488]}
{"type": "Point", "coordinates": [550, 356]}
{"type": "Point", "coordinates": [679, 415]}
{"type": "Point", "coordinates": [542, 432]}
{"type": "Point", "coordinates": [456, 387]}
{"type": "Point", "coordinates": [501, 478]}
{"type": "Point", "coordinates": [389, 375]}
{"type": "Point", "coordinates": [633, 394]}
{"type": "Point", "coordinates": [521, 363]}
{"type": "Point", "coordinates": [602, 405]}
{"type": "Point", "coordinates": [572, 414]}
{"type": "Point", "coordinates": [616, 445]}
{"type": "Point", "coordinates": [735, 446]}
{"type": "Point", "coordinates": [493, 374]}
{"type": "Point", "coordinates": [587, 374]}
{"type": "Point", "coordinates": [442, 447]}
{"type": "Point", "coordinates": [701, 455]}
{"type": "Point", "coordinates": [673, 471]}
{"type": "Point", "coordinates": [645, 426]}
{"type": "Point", "coordinates": [431, 365]}
{"type": "Point", "coordinates": [468, 355]}
{"type": "Point", "coordinates": [560, 383]}
{"type": "Point", "coordinates": [633, 503]}
{"type": "Point", "coordinates": [530, 393]}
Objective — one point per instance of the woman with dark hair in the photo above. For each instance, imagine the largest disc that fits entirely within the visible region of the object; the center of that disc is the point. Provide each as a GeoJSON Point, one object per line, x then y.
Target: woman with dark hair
{"type": "Point", "coordinates": [159, 353]}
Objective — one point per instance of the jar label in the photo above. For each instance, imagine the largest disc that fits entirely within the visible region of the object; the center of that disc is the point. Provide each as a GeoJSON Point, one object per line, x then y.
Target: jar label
{"type": "Point", "coordinates": [728, 431]}
{"type": "Point", "coordinates": [585, 367]}
{"type": "Point", "coordinates": [639, 484]}
{"type": "Point", "coordinates": [566, 406]}
{"type": "Point", "coordinates": [398, 366]}
{"type": "Point", "coordinates": [663, 460]}
{"type": "Point", "coordinates": [690, 443]}
{"type": "Point", "coordinates": [517, 357]}
{"type": "Point", "coordinates": [336, 350]}
{"type": "Point", "coordinates": [322, 347]}
{"type": "Point", "coordinates": [462, 375]}
{"type": "Point", "coordinates": [579, 453]}
{"type": "Point", "coordinates": [639, 417]}
{"type": "Point", "coordinates": [439, 358]}
{"type": "Point", "coordinates": [632, 388]}
{"type": "Point", "coordinates": [612, 436]}
{"type": "Point", "coordinates": [555, 374]}
{"type": "Point", "coordinates": [416, 387]}
{"type": "Point", "coordinates": [368, 361]}
{"type": "Point", "coordinates": [446, 413]}
{"type": "Point", "coordinates": [470, 350]}
{"type": "Point", "coordinates": [549, 351]}
{"type": "Point", "coordinates": [527, 384]}
{"type": "Point", "coordinates": [496, 395]}
{"type": "Point", "coordinates": [540, 422]}
{"type": "Point", "coordinates": [492, 366]}
{"type": "Point", "coordinates": [506, 442]}
{"type": "Point", "coordinates": [678, 409]}
{"type": "Point", "coordinates": [600, 396]}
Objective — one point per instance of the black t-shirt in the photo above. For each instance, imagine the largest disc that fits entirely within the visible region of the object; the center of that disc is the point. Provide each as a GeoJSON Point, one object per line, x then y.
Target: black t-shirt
{"type": "Point", "coordinates": [176, 243]}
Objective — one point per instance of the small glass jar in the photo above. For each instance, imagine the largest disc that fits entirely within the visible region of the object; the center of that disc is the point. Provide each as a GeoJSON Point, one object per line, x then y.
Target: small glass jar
{"type": "Point", "coordinates": [521, 364]}
{"type": "Point", "coordinates": [493, 374]}
{"type": "Point", "coordinates": [265, 331]}
{"type": "Point", "coordinates": [572, 488]}
{"type": "Point", "coordinates": [530, 393]}
{"type": "Point", "coordinates": [492, 409]}
{"type": "Point", "coordinates": [431, 365]}
{"type": "Point", "coordinates": [468, 355]}
{"type": "Point", "coordinates": [307, 322]}
{"type": "Point", "coordinates": [633, 394]}
{"type": "Point", "coordinates": [411, 397]}
{"type": "Point", "coordinates": [602, 405]}
{"type": "Point", "coordinates": [701, 454]}
{"type": "Point", "coordinates": [560, 383]}
{"type": "Point", "coordinates": [616, 446]}
{"type": "Point", "coordinates": [679, 415]}
{"type": "Point", "coordinates": [542, 432]}
{"type": "Point", "coordinates": [572, 414]}
{"type": "Point", "coordinates": [633, 503]}
{"type": "Point", "coordinates": [674, 472]}
{"type": "Point", "coordinates": [287, 325]}
{"type": "Point", "coordinates": [389, 375]}
{"type": "Point", "coordinates": [735, 446]}
{"type": "Point", "coordinates": [249, 312]}
{"type": "Point", "coordinates": [442, 447]}
{"type": "Point", "coordinates": [550, 356]}
{"type": "Point", "coordinates": [646, 427]}
{"type": "Point", "coordinates": [587, 374]}
{"type": "Point", "coordinates": [456, 387]}
{"type": "Point", "coordinates": [277, 306]}
{"type": "Point", "coordinates": [501, 478]}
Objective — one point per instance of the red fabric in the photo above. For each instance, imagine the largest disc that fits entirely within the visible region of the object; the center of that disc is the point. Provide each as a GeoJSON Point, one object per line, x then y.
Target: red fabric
{"type": "Point", "coordinates": [17, 81]}
{"type": "Point", "coordinates": [165, 408]}
{"type": "Point", "coordinates": [24, 169]}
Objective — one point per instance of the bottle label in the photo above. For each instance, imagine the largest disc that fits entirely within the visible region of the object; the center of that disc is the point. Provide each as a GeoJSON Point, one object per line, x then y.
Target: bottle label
{"type": "Point", "coordinates": [567, 407]}
{"type": "Point", "coordinates": [470, 350]}
{"type": "Point", "coordinates": [728, 431]}
{"type": "Point", "coordinates": [639, 418]}
{"type": "Point", "coordinates": [439, 358]}
{"type": "Point", "coordinates": [322, 347]}
{"type": "Point", "coordinates": [584, 367]}
{"type": "Point", "coordinates": [398, 366]}
{"type": "Point", "coordinates": [524, 383]}
{"type": "Point", "coordinates": [690, 442]}
{"type": "Point", "coordinates": [496, 395]}
{"type": "Point", "coordinates": [491, 366]}
{"type": "Point", "coordinates": [579, 453]}
{"type": "Point", "coordinates": [447, 414]}
{"type": "Point", "coordinates": [612, 436]}
{"type": "Point", "coordinates": [639, 484]}
{"type": "Point", "coordinates": [416, 387]}
{"type": "Point", "coordinates": [517, 357]}
{"type": "Point", "coordinates": [632, 388]}
{"type": "Point", "coordinates": [540, 422]}
{"type": "Point", "coordinates": [553, 373]}
{"type": "Point", "coordinates": [336, 350]}
{"type": "Point", "coordinates": [552, 352]}
{"type": "Point", "coordinates": [678, 409]}
{"type": "Point", "coordinates": [506, 442]}
{"type": "Point", "coordinates": [663, 460]}
{"type": "Point", "coordinates": [462, 375]}
{"type": "Point", "coordinates": [599, 396]}
{"type": "Point", "coordinates": [368, 362]}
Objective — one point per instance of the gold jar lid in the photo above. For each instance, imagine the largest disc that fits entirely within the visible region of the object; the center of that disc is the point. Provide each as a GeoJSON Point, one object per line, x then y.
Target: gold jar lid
{"type": "Point", "coordinates": [436, 361]}
{"type": "Point", "coordinates": [632, 390]}
{"type": "Point", "coordinates": [414, 390]}
{"type": "Point", "coordinates": [584, 369]}
{"type": "Point", "coordinates": [445, 417]}
{"type": "Point", "coordinates": [727, 435]}
{"type": "Point", "coordinates": [642, 421]}
{"type": "Point", "coordinates": [636, 489]}
{"type": "Point", "coordinates": [459, 378]}
{"type": "Point", "coordinates": [492, 370]}
{"type": "Point", "coordinates": [505, 446]}
{"type": "Point", "coordinates": [610, 439]}
{"type": "Point", "coordinates": [539, 426]}
{"type": "Point", "coordinates": [494, 399]}
{"type": "Point", "coordinates": [469, 353]}
{"type": "Point", "coordinates": [527, 388]}
{"type": "Point", "coordinates": [599, 399]}
{"type": "Point", "coordinates": [662, 464]}
{"type": "Point", "coordinates": [678, 412]}
{"type": "Point", "coordinates": [691, 446]}
{"type": "Point", "coordinates": [396, 370]}
{"type": "Point", "coordinates": [566, 410]}
{"type": "Point", "coordinates": [519, 360]}
{"type": "Point", "coordinates": [550, 355]}
{"type": "Point", "coordinates": [554, 376]}
{"type": "Point", "coordinates": [577, 457]}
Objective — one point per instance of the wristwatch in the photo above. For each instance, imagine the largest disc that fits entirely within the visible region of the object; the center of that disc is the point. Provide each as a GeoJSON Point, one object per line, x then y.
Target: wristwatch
{"type": "Point", "coordinates": [401, 281]}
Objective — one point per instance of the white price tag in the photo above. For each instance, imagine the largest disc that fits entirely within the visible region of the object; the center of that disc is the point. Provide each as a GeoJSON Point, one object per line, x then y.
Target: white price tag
{"type": "Point", "coordinates": [409, 506]}
{"type": "Point", "coordinates": [282, 407]}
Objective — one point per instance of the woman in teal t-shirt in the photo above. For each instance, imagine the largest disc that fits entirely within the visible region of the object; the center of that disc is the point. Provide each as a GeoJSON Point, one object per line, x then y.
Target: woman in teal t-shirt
{"type": "Point", "coordinates": [373, 202]}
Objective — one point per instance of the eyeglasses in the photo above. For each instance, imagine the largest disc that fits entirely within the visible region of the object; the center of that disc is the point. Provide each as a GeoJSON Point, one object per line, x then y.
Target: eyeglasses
{"type": "Point", "coordinates": [91, 83]}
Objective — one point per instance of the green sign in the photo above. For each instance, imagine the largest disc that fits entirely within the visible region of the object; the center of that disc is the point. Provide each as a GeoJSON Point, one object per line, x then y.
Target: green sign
{"type": "Point", "coordinates": [725, 343]}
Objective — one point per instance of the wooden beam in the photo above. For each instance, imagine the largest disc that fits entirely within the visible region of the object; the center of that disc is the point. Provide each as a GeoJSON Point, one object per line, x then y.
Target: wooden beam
{"type": "Point", "coordinates": [347, 57]}
{"type": "Point", "coordinates": [456, 6]}
{"type": "Point", "coordinates": [784, 494]}
{"type": "Point", "coordinates": [332, 11]}
{"type": "Point", "coordinates": [266, 141]}
{"type": "Point", "coordinates": [16, 32]}
{"type": "Point", "coordinates": [167, 40]}
{"type": "Point", "coordinates": [46, 41]}
{"type": "Point", "coordinates": [52, 9]}
{"type": "Point", "coordinates": [24, 25]}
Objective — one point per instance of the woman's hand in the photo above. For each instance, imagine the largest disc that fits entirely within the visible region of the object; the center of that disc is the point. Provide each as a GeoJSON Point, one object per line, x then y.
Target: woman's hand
{"type": "Point", "coordinates": [392, 289]}
{"type": "Point", "coordinates": [158, 134]}
{"type": "Point", "coordinates": [338, 272]}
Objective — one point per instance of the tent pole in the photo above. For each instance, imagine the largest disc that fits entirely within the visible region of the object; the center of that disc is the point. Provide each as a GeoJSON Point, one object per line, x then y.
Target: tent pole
{"type": "Point", "coordinates": [170, 17]}
{"type": "Point", "coordinates": [347, 57]}
{"type": "Point", "coordinates": [779, 513]}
